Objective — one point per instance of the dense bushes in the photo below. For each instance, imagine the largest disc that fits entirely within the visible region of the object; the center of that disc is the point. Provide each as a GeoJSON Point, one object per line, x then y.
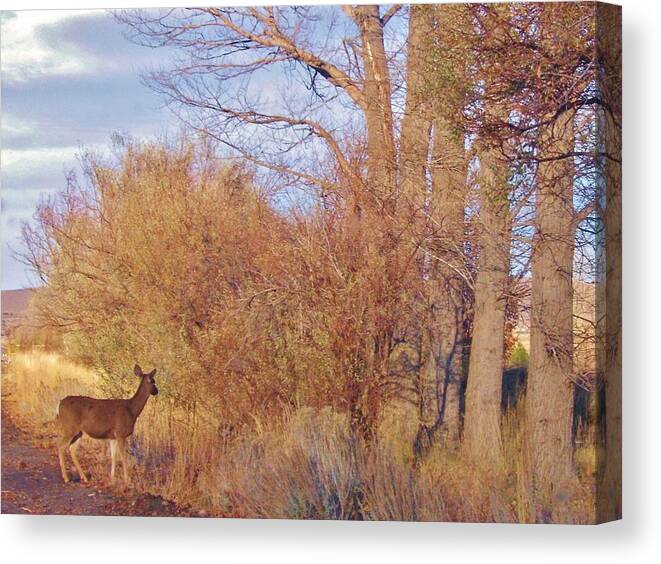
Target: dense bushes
{"type": "Point", "coordinates": [171, 258]}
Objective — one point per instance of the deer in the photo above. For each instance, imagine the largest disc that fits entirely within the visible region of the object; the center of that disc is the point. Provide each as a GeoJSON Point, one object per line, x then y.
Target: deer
{"type": "Point", "coordinates": [106, 419]}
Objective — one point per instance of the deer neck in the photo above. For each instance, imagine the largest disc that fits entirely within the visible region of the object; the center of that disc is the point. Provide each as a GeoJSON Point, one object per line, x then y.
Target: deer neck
{"type": "Point", "coordinates": [139, 399]}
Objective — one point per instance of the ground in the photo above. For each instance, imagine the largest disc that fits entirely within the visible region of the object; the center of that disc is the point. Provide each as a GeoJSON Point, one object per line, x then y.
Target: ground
{"type": "Point", "coordinates": [31, 484]}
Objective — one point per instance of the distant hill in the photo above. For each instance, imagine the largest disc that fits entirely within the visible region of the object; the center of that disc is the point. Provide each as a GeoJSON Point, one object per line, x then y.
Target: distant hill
{"type": "Point", "coordinates": [14, 304]}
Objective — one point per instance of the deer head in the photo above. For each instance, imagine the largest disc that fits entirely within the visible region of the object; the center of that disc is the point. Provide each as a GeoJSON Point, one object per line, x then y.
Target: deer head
{"type": "Point", "coordinates": [147, 379]}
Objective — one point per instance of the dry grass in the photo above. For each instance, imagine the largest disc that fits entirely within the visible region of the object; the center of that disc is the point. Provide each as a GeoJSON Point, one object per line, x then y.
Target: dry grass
{"type": "Point", "coordinates": [36, 382]}
{"type": "Point", "coordinates": [306, 465]}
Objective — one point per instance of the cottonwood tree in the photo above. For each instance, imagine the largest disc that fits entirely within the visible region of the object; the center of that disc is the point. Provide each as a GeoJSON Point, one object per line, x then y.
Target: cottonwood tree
{"type": "Point", "coordinates": [565, 64]}
{"type": "Point", "coordinates": [334, 59]}
{"type": "Point", "coordinates": [482, 433]}
{"type": "Point", "coordinates": [443, 336]}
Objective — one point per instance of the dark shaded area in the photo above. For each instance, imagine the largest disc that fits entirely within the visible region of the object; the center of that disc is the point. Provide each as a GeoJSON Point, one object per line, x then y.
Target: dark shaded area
{"type": "Point", "coordinates": [589, 402]}
{"type": "Point", "coordinates": [513, 386]}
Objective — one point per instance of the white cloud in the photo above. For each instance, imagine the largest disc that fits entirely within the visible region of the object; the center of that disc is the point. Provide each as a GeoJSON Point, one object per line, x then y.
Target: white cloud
{"type": "Point", "coordinates": [12, 126]}
{"type": "Point", "coordinates": [25, 55]}
{"type": "Point", "coordinates": [26, 159]}
{"type": "Point", "coordinates": [27, 172]}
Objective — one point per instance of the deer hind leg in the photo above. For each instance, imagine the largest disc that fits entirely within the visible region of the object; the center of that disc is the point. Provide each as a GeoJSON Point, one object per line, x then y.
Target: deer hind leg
{"type": "Point", "coordinates": [63, 444]}
{"type": "Point", "coordinates": [73, 448]}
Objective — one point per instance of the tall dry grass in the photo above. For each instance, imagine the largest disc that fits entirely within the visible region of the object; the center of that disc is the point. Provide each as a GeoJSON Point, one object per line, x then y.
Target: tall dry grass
{"type": "Point", "coordinates": [305, 465]}
{"type": "Point", "coordinates": [34, 383]}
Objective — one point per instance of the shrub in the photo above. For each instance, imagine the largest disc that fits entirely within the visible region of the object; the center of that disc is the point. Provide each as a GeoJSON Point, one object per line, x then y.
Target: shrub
{"type": "Point", "coordinates": [519, 356]}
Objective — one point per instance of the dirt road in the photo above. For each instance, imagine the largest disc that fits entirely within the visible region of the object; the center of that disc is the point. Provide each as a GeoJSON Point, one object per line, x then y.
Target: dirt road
{"type": "Point", "coordinates": [31, 484]}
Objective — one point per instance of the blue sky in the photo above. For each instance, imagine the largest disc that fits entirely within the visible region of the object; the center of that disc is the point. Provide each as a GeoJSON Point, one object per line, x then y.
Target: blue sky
{"type": "Point", "coordinates": [69, 80]}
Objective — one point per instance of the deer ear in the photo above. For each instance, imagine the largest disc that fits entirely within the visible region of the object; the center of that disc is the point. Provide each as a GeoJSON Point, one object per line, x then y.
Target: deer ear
{"type": "Point", "coordinates": [151, 374]}
{"type": "Point", "coordinates": [137, 370]}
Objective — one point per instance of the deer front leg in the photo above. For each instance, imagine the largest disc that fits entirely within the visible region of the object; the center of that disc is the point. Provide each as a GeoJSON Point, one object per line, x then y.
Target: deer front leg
{"type": "Point", "coordinates": [113, 460]}
{"type": "Point", "coordinates": [62, 445]}
{"type": "Point", "coordinates": [121, 445]}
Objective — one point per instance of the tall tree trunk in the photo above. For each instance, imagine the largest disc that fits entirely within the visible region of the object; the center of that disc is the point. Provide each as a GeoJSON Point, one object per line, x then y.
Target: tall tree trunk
{"type": "Point", "coordinates": [381, 190]}
{"type": "Point", "coordinates": [415, 142]}
{"type": "Point", "coordinates": [549, 395]}
{"type": "Point", "coordinates": [609, 37]}
{"type": "Point", "coordinates": [415, 138]}
{"type": "Point", "coordinates": [444, 364]}
{"type": "Point", "coordinates": [381, 163]}
{"type": "Point", "coordinates": [482, 431]}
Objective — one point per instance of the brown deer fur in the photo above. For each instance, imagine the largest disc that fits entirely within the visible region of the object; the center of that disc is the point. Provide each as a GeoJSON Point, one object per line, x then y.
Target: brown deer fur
{"type": "Point", "coordinates": [108, 419]}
